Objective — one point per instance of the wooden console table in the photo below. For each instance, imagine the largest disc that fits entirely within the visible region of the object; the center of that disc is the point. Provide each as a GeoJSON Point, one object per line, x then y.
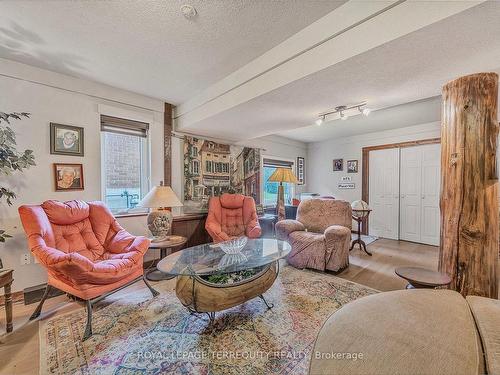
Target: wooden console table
{"type": "Point", "coordinates": [6, 280]}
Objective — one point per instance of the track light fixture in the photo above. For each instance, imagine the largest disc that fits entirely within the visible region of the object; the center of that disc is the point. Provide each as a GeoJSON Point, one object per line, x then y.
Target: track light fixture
{"type": "Point", "coordinates": [341, 110]}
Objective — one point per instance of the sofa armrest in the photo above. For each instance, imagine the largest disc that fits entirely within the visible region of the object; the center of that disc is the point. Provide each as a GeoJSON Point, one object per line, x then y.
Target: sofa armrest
{"type": "Point", "coordinates": [49, 256]}
{"type": "Point", "coordinates": [58, 260]}
{"type": "Point", "coordinates": [215, 231]}
{"type": "Point", "coordinates": [284, 228]}
{"type": "Point", "coordinates": [337, 232]}
{"type": "Point", "coordinates": [124, 242]}
{"type": "Point", "coordinates": [253, 229]}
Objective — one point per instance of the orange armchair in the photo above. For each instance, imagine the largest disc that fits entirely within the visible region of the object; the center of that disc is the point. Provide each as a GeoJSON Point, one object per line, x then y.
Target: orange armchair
{"type": "Point", "coordinates": [86, 252]}
{"type": "Point", "coordinates": [230, 216]}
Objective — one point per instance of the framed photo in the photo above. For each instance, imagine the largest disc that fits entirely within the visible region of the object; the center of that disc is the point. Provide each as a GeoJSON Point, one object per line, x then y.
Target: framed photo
{"type": "Point", "coordinates": [68, 176]}
{"type": "Point", "coordinates": [301, 170]}
{"type": "Point", "coordinates": [352, 166]}
{"type": "Point", "coordinates": [66, 139]}
{"type": "Point", "coordinates": [338, 165]}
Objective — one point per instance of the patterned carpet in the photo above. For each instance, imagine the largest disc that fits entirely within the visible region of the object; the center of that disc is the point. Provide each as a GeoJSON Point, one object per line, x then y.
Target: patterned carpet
{"type": "Point", "coordinates": [142, 335]}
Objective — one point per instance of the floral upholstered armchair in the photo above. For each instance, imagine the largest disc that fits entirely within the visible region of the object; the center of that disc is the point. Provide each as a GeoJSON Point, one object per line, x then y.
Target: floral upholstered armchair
{"type": "Point", "coordinates": [230, 216]}
{"type": "Point", "coordinates": [86, 252]}
{"type": "Point", "coordinates": [321, 235]}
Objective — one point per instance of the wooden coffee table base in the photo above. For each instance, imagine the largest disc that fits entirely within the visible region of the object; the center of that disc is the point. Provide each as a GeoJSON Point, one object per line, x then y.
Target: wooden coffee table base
{"type": "Point", "coordinates": [200, 296]}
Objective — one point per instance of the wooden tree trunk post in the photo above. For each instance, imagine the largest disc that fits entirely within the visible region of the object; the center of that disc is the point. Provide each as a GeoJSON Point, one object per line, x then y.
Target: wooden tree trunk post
{"type": "Point", "coordinates": [469, 201]}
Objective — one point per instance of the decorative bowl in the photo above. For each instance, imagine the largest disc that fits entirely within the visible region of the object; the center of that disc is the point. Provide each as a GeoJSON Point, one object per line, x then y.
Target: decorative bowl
{"type": "Point", "coordinates": [229, 260]}
{"type": "Point", "coordinates": [233, 246]}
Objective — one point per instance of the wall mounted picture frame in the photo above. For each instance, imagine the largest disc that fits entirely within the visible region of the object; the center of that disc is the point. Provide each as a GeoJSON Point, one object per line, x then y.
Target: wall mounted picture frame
{"type": "Point", "coordinates": [68, 176]}
{"type": "Point", "coordinates": [338, 165]}
{"type": "Point", "coordinates": [352, 166]}
{"type": "Point", "coordinates": [66, 139]}
{"type": "Point", "coordinates": [301, 170]}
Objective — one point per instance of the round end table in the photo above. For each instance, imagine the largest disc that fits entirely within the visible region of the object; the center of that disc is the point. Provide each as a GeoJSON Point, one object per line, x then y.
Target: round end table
{"type": "Point", "coordinates": [419, 277]}
{"type": "Point", "coordinates": [168, 244]}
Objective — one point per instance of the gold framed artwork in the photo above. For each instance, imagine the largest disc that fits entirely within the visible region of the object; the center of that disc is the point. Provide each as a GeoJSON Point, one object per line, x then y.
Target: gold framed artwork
{"type": "Point", "coordinates": [68, 176]}
{"type": "Point", "coordinates": [352, 166]}
{"type": "Point", "coordinates": [66, 139]}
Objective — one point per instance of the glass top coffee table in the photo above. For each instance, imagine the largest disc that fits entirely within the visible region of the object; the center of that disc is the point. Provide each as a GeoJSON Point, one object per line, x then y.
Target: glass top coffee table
{"type": "Point", "coordinates": [209, 279]}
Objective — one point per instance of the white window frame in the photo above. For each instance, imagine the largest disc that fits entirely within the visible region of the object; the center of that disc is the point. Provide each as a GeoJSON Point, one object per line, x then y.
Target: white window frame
{"type": "Point", "coordinates": [145, 170]}
{"type": "Point", "coordinates": [262, 157]}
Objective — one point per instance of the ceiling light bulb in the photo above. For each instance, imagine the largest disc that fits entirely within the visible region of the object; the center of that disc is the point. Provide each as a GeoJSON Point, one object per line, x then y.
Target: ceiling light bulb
{"type": "Point", "coordinates": [366, 111]}
{"type": "Point", "coordinates": [319, 121]}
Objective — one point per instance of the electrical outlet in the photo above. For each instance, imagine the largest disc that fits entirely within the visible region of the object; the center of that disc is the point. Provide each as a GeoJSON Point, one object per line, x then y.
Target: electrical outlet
{"type": "Point", "coordinates": [25, 258]}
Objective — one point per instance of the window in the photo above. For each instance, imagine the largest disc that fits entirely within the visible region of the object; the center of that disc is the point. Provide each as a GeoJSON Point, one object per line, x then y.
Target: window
{"type": "Point", "coordinates": [271, 188]}
{"type": "Point", "coordinates": [194, 151]}
{"type": "Point", "coordinates": [124, 163]}
{"type": "Point", "coordinates": [195, 167]}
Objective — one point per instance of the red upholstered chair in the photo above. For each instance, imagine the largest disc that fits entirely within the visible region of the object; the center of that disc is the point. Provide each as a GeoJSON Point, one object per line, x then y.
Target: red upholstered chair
{"type": "Point", "coordinates": [86, 252]}
{"type": "Point", "coordinates": [231, 216]}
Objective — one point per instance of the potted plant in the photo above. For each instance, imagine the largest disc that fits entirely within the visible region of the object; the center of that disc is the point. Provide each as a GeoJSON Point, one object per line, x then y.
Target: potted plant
{"type": "Point", "coordinates": [11, 160]}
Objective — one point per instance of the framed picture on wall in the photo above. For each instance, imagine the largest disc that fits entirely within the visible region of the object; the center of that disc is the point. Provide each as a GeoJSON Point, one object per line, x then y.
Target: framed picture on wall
{"type": "Point", "coordinates": [338, 165]}
{"type": "Point", "coordinates": [68, 176]}
{"type": "Point", "coordinates": [352, 166]}
{"type": "Point", "coordinates": [66, 139]}
{"type": "Point", "coordinates": [301, 170]}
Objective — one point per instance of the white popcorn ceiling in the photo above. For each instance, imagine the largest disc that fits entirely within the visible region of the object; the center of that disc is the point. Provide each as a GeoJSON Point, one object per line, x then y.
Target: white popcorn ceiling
{"type": "Point", "coordinates": [148, 46]}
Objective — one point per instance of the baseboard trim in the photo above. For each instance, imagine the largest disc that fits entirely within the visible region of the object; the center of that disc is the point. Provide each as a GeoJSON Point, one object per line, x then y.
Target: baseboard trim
{"type": "Point", "coordinates": [35, 293]}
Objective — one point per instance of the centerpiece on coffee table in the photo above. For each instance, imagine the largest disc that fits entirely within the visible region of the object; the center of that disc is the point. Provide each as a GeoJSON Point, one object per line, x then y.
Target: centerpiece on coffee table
{"type": "Point", "coordinates": [216, 277]}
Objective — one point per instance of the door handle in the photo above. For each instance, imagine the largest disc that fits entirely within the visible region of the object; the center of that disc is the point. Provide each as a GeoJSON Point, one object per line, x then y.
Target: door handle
{"type": "Point", "coordinates": [423, 196]}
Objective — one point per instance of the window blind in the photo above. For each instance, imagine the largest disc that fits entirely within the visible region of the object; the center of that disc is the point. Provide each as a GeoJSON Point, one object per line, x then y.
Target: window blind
{"type": "Point", "coordinates": [278, 163]}
{"type": "Point", "coordinates": [124, 126]}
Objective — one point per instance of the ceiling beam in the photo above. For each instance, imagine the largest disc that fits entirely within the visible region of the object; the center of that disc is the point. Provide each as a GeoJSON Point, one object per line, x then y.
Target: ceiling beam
{"type": "Point", "coordinates": [349, 30]}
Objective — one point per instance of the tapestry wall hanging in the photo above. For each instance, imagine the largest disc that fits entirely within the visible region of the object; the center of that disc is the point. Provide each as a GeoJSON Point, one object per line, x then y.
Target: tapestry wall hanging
{"type": "Point", "coordinates": [212, 168]}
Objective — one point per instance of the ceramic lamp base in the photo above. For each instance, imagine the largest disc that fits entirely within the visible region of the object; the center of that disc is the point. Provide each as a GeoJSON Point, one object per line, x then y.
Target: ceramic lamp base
{"type": "Point", "coordinates": [159, 224]}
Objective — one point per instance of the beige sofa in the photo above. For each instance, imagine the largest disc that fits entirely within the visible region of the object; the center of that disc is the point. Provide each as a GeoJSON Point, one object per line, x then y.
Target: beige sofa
{"type": "Point", "coordinates": [408, 332]}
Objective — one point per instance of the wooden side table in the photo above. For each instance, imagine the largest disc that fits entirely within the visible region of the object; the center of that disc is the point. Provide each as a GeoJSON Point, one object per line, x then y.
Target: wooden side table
{"type": "Point", "coordinates": [165, 248]}
{"type": "Point", "coordinates": [6, 280]}
{"type": "Point", "coordinates": [418, 277]}
{"type": "Point", "coordinates": [358, 240]}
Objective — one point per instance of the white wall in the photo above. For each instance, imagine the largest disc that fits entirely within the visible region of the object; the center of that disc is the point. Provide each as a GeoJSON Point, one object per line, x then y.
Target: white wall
{"type": "Point", "coordinates": [320, 157]}
{"type": "Point", "coordinates": [52, 97]}
{"type": "Point", "coordinates": [48, 104]}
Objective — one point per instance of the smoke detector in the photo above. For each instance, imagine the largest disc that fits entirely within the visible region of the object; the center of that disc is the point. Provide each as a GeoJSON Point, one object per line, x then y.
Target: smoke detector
{"type": "Point", "coordinates": [188, 11]}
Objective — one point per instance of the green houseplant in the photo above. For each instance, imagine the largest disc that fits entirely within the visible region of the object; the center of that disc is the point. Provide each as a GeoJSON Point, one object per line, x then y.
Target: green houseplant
{"type": "Point", "coordinates": [11, 160]}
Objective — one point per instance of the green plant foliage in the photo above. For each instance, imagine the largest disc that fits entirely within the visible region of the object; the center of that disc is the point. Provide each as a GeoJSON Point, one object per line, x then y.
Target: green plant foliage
{"type": "Point", "coordinates": [11, 160]}
{"type": "Point", "coordinates": [233, 277]}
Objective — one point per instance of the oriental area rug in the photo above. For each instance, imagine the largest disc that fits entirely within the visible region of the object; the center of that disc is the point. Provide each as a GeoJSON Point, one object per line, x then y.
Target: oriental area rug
{"type": "Point", "coordinates": [138, 334]}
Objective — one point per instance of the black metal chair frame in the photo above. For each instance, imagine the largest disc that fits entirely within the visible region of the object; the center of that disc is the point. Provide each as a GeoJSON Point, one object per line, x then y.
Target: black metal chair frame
{"type": "Point", "coordinates": [90, 302]}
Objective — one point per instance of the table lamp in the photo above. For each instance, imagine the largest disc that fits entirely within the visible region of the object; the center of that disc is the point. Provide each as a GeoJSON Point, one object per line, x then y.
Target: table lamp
{"type": "Point", "coordinates": [282, 175]}
{"type": "Point", "coordinates": [160, 199]}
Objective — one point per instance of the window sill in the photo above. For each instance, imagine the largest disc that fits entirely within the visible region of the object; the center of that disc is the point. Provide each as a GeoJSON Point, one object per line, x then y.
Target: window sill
{"type": "Point", "coordinates": [130, 215]}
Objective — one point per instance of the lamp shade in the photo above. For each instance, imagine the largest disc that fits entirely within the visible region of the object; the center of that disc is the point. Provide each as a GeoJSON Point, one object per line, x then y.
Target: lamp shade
{"type": "Point", "coordinates": [283, 175]}
{"type": "Point", "coordinates": [160, 196]}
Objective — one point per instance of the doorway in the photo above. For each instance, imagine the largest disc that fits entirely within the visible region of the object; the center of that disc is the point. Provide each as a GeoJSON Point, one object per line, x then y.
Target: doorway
{"type": "Point", "coordinates": [401, 183]}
